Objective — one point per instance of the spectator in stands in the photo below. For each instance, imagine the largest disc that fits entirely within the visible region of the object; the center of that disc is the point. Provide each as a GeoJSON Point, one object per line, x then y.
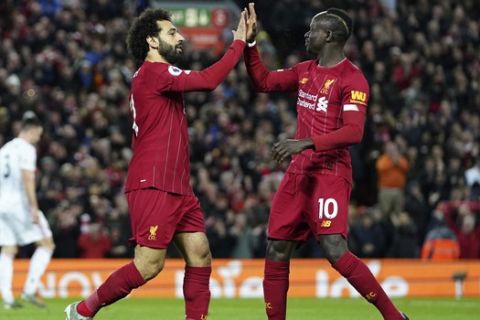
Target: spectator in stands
{"type": "Point", "coordinates": [392, 170]}
{"type": "Point", "coordinates": [460, 217]}
{"type": "Point", "coordinates": [472, 175]}
{"type": "Point", "coordinates": [440, 244]}
{"type": "Point", "coordinates": [418, 209]}
{"type": "Point", "coordinates": [368, 238]}
{"type": "Point", "coordinates": [94, 243]}
{"type": "Point", "coordinates": [404, 237]}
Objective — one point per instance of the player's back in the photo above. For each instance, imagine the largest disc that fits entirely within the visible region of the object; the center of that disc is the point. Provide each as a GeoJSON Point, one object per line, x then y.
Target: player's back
{"type": "Point", "coordinates": [15, 155]}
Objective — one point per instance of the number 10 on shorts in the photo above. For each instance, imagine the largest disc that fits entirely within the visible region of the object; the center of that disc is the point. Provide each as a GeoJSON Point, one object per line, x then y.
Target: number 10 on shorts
{"type": "Point", "coordinates": [328, 208]}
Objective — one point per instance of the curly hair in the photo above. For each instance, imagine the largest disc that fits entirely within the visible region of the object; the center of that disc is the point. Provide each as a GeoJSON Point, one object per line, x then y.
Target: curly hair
{"type": "Point", "coordinates": [143, 26]}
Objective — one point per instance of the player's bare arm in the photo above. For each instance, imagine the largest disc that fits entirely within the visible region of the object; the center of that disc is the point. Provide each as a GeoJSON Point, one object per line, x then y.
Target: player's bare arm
{"type": "Point", "coordinates": [28, 178]}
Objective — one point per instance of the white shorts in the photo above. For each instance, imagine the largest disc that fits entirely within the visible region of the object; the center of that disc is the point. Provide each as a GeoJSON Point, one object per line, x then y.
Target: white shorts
{"type": "Point", "coordinates": [16, 228]}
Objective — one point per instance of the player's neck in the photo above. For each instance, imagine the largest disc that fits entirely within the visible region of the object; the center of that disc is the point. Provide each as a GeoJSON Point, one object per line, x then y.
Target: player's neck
{"type": "Point", "coordinates": [154, 56]}
{"type": "Point", "coordinates": [25, 136]}
{"type": "Point", "coordinates": [329, 57]}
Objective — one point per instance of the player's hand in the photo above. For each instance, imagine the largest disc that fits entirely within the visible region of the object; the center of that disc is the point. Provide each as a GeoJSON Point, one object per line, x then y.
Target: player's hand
{"type": "Point", "coordinates": [284, 149]}
{"type": "Point", "coordinates": [251, 23]}
{"type": "Point", "coordinates": [35, 215]}
{"type": "Point", "coordinates": [241, 32]}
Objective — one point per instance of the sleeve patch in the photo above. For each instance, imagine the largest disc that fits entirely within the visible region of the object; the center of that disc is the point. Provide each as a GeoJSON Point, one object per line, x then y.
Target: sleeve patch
{"type": "Point", "coordinates": [174, 71]}
{"type": "Point", "coordinates": [358, 97]}
{"type": "Point", "coordinates": [350, 107]}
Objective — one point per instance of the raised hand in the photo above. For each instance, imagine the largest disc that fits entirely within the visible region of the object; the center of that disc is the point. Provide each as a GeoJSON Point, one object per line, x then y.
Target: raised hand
{"type": "Point", "coordinates": [251, 23]}
{"type": "Point", "coordinates": [241, 32]}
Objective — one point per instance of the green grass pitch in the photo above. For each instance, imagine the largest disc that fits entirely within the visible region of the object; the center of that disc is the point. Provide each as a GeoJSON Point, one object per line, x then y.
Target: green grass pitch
{"type": "Point", "coordinates": [252, 309]}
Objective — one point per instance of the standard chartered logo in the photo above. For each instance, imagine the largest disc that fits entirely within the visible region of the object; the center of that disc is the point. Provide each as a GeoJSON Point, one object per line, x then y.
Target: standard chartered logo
{"type": "Point", "coordinates": [312, 101]}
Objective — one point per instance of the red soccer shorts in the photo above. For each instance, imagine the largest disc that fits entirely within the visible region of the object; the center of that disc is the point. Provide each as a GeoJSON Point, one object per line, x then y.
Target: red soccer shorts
{"type": "Point", "coordinates": [305, 204]}
{"type": "Point", "coordinates": [156, 216]}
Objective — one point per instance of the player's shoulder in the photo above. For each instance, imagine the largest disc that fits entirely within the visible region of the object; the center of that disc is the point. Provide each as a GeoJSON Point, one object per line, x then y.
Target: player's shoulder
{"type": "Point", "coordinates": [23, 145]}
{"type": "Point", "coordinates": [351, 69]}
{"type": "Point", "coordinates": [351, 73]}
{"type": "Point", "coordinates": [306, 65]}
{"type": "Point", "coordinates": [159, 69]}
{"type": "Point", "coordinates": [18, 146]}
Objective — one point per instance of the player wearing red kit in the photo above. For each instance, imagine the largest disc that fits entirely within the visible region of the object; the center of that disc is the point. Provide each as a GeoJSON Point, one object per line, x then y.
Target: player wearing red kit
{"type": "Point", "coordinates": [314, 194]}
{"type": "Point", "coordinates": [161, 202]}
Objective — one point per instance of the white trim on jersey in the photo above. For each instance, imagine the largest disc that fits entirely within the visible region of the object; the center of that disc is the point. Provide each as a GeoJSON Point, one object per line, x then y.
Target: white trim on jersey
{"type": "Point", "coordinates": [350, 107]}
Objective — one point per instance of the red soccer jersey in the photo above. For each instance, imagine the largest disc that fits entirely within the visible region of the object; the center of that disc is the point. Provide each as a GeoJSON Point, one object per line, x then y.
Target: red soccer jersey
{"type": "Point", "coordinates": [160, 140]}
{"type": "Point", "coordinates": [331, 107]}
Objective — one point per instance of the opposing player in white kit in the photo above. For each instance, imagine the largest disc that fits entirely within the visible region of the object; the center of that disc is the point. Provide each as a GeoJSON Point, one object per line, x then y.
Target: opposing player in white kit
{"type": "Point", "coordinates": [21, 221]}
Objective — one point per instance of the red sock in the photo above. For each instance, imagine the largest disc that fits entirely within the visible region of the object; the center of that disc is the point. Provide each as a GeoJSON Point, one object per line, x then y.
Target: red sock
{"type": "Point", "coordinates": [360, 277]}
{"type": "Point", "coordinates": [118, 285]}
{"type": "Point", "coordinates": [275, 287]}
{"type": "Point", "coordinates": [196, 291]}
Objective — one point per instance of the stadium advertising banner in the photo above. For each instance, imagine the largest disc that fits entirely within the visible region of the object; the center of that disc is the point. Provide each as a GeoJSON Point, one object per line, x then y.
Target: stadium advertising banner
{"type": "Point", "coordinates": [204, 24]}
{"type": "Point", "coordinates": [243, 278]}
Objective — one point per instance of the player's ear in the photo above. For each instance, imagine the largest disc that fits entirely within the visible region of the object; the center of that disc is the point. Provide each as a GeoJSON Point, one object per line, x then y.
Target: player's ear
{"type": "Point", "coordinates": [152, 42]}
{"type": "Point", "coordinates": [329, 37]}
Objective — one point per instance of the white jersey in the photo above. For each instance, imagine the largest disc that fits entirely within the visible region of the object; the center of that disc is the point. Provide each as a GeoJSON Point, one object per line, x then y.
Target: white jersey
{"type": "Point", "coordinates": [15, 156]}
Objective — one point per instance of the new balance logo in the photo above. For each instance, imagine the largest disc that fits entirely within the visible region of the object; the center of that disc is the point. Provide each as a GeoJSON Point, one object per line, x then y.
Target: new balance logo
{"type": "Point", "coordinates": [326, 224]}
{"type": "Point", "coordinates": [322, 104]}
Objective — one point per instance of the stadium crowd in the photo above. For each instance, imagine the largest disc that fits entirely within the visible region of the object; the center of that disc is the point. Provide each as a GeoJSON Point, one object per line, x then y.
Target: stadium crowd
{"type": "Point", "coordinates": [416, 173]}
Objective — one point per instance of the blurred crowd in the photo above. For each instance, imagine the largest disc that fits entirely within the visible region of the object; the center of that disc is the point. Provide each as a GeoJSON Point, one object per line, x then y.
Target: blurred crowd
{"type": "Point", "coordinates": [417, 172]}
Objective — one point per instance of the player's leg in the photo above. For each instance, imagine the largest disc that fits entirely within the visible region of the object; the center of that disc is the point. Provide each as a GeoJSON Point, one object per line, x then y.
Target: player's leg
{"type": "Point", "coordinates": [8, 244]}
{"type": "Point", "coordinates": [276, 277]}
{"type": "Point", "coordinates": [41, 235]}
{"type": "Point", "coordinates": [357, 273]}
{"type": "Point", "coordinates": [147, 263]}
{"type": "Point", "coordinates": [38, 264]}
{"type": "Point", "coordinates": [6, 275]}
{"type": "Point", "coordinates": [154, 214]}
{"type": "Point", "coordinates": [329, 216]}
{"type": "Point", "coordinates": [195, 250]}
{"type": "Point", "coordinates": [286, 227]}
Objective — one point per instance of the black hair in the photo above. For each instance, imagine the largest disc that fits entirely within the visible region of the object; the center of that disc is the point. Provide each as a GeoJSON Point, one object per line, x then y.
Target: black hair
{"type": "Point", "coordinates": [30, 120]}
{"type": "Point", "coordinates": [339, 22]}
{"type": "Point", "coordinates": [143, 26]}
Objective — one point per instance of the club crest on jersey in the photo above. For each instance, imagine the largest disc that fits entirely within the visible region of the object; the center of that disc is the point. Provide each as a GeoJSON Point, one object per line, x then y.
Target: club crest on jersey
{"type": "Point", "coordinates": [326, 86]}
{"type": "Point", "coordinates": [174, 71]}
{"type": "Point", "coordinates": [153, 232]}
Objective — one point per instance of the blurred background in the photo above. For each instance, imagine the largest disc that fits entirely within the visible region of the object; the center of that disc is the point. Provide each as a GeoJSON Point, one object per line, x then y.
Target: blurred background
{"type": "Point", "coordinates": [67, 61]}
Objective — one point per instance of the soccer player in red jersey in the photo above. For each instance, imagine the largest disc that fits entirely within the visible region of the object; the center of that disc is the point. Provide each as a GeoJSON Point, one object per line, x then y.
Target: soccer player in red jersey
{"type": "Point", "coordinates": [313, 197]}
{"type": "Point", "coordinates": [162, 205]}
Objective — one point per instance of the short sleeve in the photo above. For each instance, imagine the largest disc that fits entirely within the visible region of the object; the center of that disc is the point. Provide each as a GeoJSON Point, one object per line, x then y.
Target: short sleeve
{"type": "Point", "coordinates": [28, 158]}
